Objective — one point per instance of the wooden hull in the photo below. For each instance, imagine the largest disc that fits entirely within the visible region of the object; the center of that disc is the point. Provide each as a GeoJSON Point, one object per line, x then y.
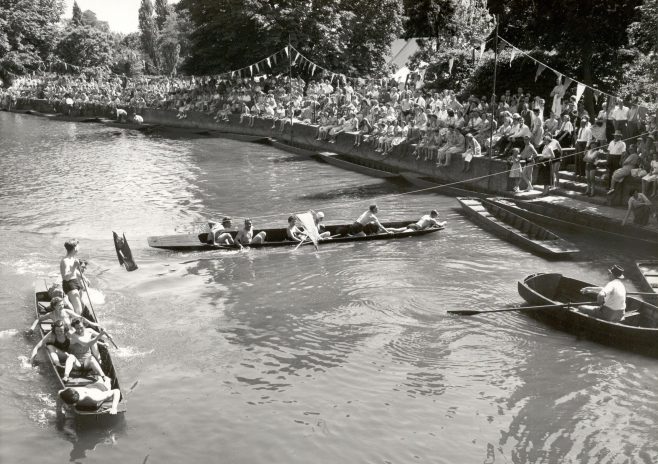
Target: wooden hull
{"type": "Point", "coordinates": [515, 229]}
{"type": "Point", "coordinates": [336, 160]}
{"type": "Point", "coordinates": [649, 271]}
{"type": "Point", "coordinates": [42, 301]}
{"type": "Point", "coordinates": [637, 332]}
{"type": "Point", "coordinates": [277, 238]}
{"type": "Point", "coordinates": [124, 254]}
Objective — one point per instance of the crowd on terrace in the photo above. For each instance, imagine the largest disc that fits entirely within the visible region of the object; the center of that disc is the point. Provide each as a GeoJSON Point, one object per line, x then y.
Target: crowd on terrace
{"type": "Point", "coordinates": [440, 126]}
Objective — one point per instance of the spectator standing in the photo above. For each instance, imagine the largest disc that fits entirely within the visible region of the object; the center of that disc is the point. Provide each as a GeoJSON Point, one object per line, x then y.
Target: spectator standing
{"type": "Point", "coordinates": [582, 142]}
{"type": "Point", "coordinates": [616, 148]}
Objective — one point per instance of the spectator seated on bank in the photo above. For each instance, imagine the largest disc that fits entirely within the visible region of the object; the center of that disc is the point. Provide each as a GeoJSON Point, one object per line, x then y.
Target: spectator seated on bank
{"type": "Point", "coordinates": [651, 178]}
{"type": "Point", "coordinates": [628, 163]}
{"type": "Point", "coordinates": [641, 208]}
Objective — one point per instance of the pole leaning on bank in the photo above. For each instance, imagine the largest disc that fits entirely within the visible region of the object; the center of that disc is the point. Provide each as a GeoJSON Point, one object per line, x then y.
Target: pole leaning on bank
{"type": "Point", "coordinates": [493, 104]}
{"type": "Point", "coordinates": [290, 103]}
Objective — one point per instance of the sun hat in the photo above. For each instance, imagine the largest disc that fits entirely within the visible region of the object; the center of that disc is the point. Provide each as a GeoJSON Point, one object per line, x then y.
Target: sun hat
{"type": "Point", "coordinates": [617, 271]}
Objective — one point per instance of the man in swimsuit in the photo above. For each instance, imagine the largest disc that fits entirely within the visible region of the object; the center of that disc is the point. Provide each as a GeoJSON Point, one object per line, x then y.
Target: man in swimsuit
{"type": "Point", "coordinates": [218, 234]}
{"type": "Point", "coordinates": [92, 396]}
{"type": "Point", "coordinates": [57, 342]}
{"type": "Point", "coordinates": [293, 232]}
{"type": "Point", "coordinates": [246, 237]}
{"type": "Point", "coordinates": [82, 340]}
{"type": "Point", "coordinates": [611, 299]}
{"type": "Point", "coordinates": [71, 270]}
{"type": "Point", "coordinates": [369, 217]}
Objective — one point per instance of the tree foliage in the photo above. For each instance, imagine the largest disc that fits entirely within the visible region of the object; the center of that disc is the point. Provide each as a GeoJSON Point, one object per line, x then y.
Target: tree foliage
{"type": "Point", "coordinates": [429, 19]}
{"type": "Point", "coordinates": [28, 32]}
{"type": "Point", "coordinates": [76, 20]}
{"type": "Point", "coordinates": [341, 35]}
{"type": "Point", "coordinates": [161, 13]}
{"type": "Point", "coordinates": [86, 47]}
{"type": "Point", "coordinates": [148, 32]}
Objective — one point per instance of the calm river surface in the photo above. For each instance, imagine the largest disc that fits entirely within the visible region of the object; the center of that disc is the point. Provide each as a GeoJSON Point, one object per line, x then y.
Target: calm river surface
{"type": "Point", "coordinates": [274, 356]}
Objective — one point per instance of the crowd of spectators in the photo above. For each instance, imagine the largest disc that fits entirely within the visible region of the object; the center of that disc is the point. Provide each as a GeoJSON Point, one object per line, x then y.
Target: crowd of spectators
{"type": "Point", "coordinates": [440, 126]}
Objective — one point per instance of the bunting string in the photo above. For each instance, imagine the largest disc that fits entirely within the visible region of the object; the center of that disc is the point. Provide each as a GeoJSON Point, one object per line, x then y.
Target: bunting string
{"type": "Point", "coordinates": [580, 87]}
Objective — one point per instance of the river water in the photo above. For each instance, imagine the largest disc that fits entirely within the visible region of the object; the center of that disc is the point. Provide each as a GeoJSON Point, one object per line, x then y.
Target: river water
{"type": "Point", "coordinates": [346, 354]}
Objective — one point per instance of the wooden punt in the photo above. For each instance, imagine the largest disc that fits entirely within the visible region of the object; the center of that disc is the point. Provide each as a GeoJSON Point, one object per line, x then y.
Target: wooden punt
{"type": "Point", "coordinates": [638, 331]}
{"type": "Point", "coordinates": [277, 238]}
{"type": "Point", "coordinates": [340, 161]}
{"type": "Point", "coordinates": [78, 378]}
{"type": "Point", "coordinates": [515, 229]}
{"type": "Point", "coordinates": [649, 271]}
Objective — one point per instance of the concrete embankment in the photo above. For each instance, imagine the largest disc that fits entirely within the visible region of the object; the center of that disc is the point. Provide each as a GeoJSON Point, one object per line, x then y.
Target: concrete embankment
{"type": "Point", "coordinates": [485, 177]}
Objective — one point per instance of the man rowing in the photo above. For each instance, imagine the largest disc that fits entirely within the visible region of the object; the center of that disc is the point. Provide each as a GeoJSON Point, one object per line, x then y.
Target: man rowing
{"type": "Point", "coordinates": [218, 234]}
{"type": "Point", "coordinates": [367, 218]}
{"type": "Point", "coordinates": [611, 298]}
{"type": "Point", "coordinates": [428, 221]}
{"type": "Point", "coordinates": [245, 236]}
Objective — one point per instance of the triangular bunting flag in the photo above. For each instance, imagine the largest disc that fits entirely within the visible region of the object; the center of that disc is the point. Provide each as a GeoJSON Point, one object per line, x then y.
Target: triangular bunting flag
{"type": "Point", "coordinates": [580, 88]}
{"type": "Point", "coordinates": [559, 76]}
{"type": "Point", "coordinates": [286, 50]}
{"type": "Point", "coordinates": [482, 45]}
{"type": "Point", "coordinates": [540, 69]}
{"type": "Point", "coordinates": [268, 62]}
{"type": "Point", "coordinates": [251, 71]}
{"type": "Point", "coordinates": [512, 55]}
{"type": "Point", "coordinates": [597, 94]}
{"type": "Point", "coordinates": [450, 63]}
{"type": "Point", "coordinates": [274, 58]}
{"type": "Point", "coordinates": [313, 70]}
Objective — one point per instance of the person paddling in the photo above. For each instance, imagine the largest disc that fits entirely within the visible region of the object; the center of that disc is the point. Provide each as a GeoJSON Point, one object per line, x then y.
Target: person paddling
{"type": "Point", "coordinates": [611, 298]}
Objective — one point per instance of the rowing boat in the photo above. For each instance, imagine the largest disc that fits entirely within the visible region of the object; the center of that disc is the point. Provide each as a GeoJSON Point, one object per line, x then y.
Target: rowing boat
{"type": "Point", "coordinates": [649, 271]}
{"type": "Point", "coordinates": [80, 378]}
{"type": "Point", "coordinates": [515, 229]}
{"type": "Point", "coordinates": [277, 238]}
{"type": "Point", "coordinates": [638, 330]}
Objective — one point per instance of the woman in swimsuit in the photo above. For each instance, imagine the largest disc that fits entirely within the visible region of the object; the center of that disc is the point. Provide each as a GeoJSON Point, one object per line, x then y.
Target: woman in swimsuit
{"type": "Point", "coordinates": [57, 342]}
{"type": "Point", "coordinates": [71, 270]}
{"type": "Point", "coordinates": [59, 312]}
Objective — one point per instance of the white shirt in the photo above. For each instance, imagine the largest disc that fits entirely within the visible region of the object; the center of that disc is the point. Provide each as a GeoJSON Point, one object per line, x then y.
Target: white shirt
{"type": "Point", "coordinates": [620, 114]}
{"type": "Point", "coordinates": [614, 294]}
{"type": "Point", "coordinates": [617, 147]}
{"type": "Point", "coordinates": [585, 134]}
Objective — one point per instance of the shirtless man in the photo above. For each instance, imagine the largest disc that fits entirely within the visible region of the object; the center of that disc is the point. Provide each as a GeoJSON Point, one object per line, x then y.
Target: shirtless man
{"type": "Point", "coordinates": [82, 340]}
{"type": "Point", "coordinates": [427, 221]}
{"type": "Point", "coordinates": [368, 218]}
{"type": "Point", "coordinates": [246, 237]}
{"type": "Point", "coordinates": [92, 396]}
{"type": "Point", "coordinates": [71, 270]}
{"type": "Point", "coordinates": [293, 232]}
{"type": "Point", "coordinates": [218, 234]}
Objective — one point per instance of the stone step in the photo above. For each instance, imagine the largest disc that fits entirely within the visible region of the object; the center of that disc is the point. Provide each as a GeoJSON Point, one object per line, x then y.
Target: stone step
{"type": "Point", "coordinates": [600, 198]}
{"type": "Point", "coordinates": [600, 181]}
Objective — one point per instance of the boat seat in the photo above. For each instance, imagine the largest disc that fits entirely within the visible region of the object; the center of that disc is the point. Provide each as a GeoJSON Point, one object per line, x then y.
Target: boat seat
{"type": "Point", "coordinates": [629, 314]}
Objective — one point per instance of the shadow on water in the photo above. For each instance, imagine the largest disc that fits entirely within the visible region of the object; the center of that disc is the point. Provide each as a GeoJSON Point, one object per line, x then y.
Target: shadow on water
{"type": "Point", "coordinates": [87, 433]}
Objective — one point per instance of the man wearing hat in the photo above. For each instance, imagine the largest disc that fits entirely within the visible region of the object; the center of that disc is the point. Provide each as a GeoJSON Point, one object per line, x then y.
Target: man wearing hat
{"type": "Point", "coordinates": [616, 149]}
{"type": "Point", "coordinates": [611, 298]}
{"type": "Point", "coordinates": [217, 234]}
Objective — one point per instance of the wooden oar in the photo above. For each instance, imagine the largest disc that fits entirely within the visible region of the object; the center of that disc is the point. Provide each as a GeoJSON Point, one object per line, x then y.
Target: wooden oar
{"type": "Point", "coordinates": [470, 312]}
{"type": "Point", "coordinates": [84, 284]}
{"type": "Point", "coordinates": [642, 293]}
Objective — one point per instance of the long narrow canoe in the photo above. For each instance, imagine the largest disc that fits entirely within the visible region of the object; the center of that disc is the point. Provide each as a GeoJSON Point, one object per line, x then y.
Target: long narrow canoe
{"type": "Point", "coordinates": [515, 229]}
{"type": "Point", "coordinates": [638, 331]}
{"type": "Point", "coordinates": [649, 271]}
{"type": "Point", "coordinates": [78, 378]}
{"type": "Point", "coordinates": [277, 238]}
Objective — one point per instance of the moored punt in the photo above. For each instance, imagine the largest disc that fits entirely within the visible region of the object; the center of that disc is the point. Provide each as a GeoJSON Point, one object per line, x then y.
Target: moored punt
{"type": "Point", "coordinates": [649, 271]}
{"type": "Point", "coordinates": [79, 378]}
{"type": "Point", "coordinates": [638, 330]}
{"type": "Point", "coordinates": [515, 229]}
{"type": "Point", "coordinates": [277, 238]}
{"type": "Point", "coordinates": [341, 162]}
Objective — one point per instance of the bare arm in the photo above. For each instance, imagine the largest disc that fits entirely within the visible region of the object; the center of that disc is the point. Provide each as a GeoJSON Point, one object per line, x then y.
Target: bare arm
{"type": "Point", "coordinates": [37, 346]}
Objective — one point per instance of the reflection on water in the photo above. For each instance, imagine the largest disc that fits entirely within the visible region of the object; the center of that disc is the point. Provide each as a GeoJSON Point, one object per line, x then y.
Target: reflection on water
{"type": "Point", "coordinates": [295, 356]}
